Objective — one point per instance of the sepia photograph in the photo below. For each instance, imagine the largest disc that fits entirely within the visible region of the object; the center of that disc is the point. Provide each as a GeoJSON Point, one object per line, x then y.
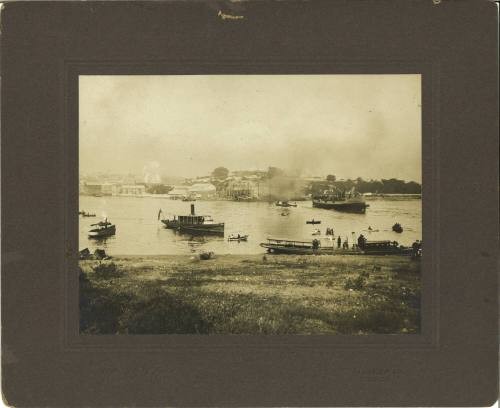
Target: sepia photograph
{"type": "Point", "coordinates": [250, 204]}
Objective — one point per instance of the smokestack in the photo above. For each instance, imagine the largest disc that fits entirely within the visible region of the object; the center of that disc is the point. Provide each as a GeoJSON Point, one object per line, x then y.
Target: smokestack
{"type": "Point", "coordinates": [192, 209]}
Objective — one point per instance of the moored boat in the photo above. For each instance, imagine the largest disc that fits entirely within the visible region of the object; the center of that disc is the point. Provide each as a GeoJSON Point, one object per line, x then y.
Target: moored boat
{"type": "Point", "coordinates": [194, 224]}
{"type": "Point", "coordinates": [385, 248]}
{"type": "Point", "coordinates": [285, 204]}
{"type": "Point", "coordinates": [102, 229]}
{"type": "Point", "coordinates": [237, 237]}
{"type": "Point", "coordinates": [282, 246]}
{"type": "Point", "coordinates": [285, 246]}
{"type": "Point", "coordinates": [313, 222]}
{"type": "Point", "coordinates": [350, 201]}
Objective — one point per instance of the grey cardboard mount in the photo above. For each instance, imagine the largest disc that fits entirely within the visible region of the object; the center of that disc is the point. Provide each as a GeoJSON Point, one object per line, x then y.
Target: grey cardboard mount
{"type": "Point", "coordinates": [46, 45]}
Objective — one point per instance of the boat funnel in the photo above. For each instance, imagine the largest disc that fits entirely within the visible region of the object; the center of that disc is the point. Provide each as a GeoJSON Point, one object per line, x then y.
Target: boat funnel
{"type": "Point", "coordinates": [192, 209]}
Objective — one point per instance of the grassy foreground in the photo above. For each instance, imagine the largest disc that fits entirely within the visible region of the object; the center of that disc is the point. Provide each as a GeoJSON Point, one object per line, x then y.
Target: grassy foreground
{"type": "Point", "coordinates": [233, 294]}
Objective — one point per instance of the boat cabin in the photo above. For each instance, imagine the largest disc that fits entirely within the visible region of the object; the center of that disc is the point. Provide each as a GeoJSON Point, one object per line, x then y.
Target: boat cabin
{"type": "Point", "coordinates": [380, 244]}
{"type": "Point", "coordinates": [193, 219]}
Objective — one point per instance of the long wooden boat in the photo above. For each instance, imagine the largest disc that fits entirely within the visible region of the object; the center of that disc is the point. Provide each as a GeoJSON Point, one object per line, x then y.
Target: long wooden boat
{"type": "Point", "coordinates": [282, 246]}
{"type": "Point", "coordinates": [194, 224]}
{"type": "Point", "coordinates": [285, 246]}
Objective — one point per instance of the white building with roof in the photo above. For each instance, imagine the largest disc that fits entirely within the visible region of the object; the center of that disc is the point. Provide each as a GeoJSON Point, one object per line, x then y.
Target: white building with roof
{"type": "Point", "coordinates": [203, 190]}
{"type": "Point", "coordinates": [178, 192]}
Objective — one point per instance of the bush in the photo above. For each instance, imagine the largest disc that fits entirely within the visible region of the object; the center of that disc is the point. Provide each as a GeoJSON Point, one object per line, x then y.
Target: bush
{"type": "Point", "coordinates": [357, 283]}
{"type": "Point", "coordinates": [107, 271]}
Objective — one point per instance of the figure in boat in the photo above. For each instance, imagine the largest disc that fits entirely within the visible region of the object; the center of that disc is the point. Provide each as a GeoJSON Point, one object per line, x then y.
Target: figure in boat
{"type": "Point", "coordinates": [193, 223]}
{"type": "Point", "coordinates": [237, 237]}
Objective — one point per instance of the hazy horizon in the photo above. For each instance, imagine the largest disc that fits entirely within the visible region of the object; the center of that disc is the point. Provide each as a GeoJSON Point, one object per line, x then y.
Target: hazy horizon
{"type": "Point", "coordinates": [187, 125]}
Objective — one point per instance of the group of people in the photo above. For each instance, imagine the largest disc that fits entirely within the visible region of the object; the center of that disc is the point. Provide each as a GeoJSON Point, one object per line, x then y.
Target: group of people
{"type": "Point", "coordinates": [344, 245]}
{"type": "Point", "coordinates": [416, 248]}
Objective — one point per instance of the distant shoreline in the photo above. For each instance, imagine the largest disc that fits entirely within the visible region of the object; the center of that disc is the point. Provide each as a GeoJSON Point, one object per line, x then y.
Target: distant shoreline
{"type": "Point", "coordinates": [366, 195]}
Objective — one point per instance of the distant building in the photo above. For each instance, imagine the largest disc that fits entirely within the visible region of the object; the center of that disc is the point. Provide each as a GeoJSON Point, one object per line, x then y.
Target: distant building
{"type": "Point", "coordinates": [96, 189]}
{"type": "Point", "coordinates": [132, 190]}
{"type": "Point", "coordinates": [178, 192]}
{"type": "Point", "coordinates": [202, 190]}
{"type": "Point", "coordinates": [241, 189]}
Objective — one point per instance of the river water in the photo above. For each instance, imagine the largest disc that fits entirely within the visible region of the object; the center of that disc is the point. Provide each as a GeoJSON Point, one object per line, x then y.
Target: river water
{"type": "Point", "coordinates": [138, 231]}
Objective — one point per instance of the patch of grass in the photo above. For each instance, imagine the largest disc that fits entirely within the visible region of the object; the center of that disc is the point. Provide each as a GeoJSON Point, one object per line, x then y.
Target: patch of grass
{"type": "Point", "coordinates": [106, 270]}
{"type": "Point", "coordinates": [229, 296]}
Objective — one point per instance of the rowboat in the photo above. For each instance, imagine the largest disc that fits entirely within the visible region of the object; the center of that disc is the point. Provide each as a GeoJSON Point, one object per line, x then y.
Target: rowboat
{"type": "Point", "coordinates": [237, 237]}
{"type": "Point", "coordinates": [285, 204]}
{"type": "Point", "coordinates": [313, 222]}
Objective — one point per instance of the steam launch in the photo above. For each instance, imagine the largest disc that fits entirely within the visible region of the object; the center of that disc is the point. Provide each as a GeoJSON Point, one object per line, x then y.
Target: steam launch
{"type": "Point", "coordinates": [351, 201]}
{"type": "Point", "coordinates": [193, 224]}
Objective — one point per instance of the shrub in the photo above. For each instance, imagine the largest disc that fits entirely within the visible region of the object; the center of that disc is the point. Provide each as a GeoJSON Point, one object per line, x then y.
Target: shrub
{"type": "Point", "coordinates": [357, 283]}
{"type": "Point", "coordinates": [107, 271]}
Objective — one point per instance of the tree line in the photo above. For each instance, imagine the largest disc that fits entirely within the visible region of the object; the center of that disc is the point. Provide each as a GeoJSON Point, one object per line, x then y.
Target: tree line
{"type": "Point", "coordinates": [384, 186]}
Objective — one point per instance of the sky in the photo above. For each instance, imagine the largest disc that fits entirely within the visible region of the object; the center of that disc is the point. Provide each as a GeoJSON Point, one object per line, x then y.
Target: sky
{"type": "Point", "coordinates": [314, 125]}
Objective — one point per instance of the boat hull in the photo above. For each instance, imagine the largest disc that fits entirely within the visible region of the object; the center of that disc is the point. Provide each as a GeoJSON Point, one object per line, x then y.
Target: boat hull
{"type": "Point", "coordinates": [200, 229]}
{"type": "Point", "coordinates": [214, 229]}
{"type": "Point", "coordinates": [354, 207]}
{"type": "Point", "coordinates": [279, 249]}
{"type": "Point", "coordinates": [102, 233]}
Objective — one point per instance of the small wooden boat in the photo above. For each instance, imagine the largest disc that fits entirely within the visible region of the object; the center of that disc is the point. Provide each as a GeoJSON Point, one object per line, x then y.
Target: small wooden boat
{"type": "Point", "coordinates": [102, 229]}
{"type": "Point", "coordinates": [84, 214]}
{"type": "Point", "coordinates": [397, 228]}
{"type": "Point", "coordinates": [316, 232]}
{"type": "Point", "coordinates": [285, 204]}
{"type": "Point", "coordinates": [313, 222]}
{"type": "Point", "coordinates": [237, 237]}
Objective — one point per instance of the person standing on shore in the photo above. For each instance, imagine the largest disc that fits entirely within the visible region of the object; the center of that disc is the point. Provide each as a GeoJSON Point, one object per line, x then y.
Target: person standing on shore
{"type": "Point", "coordinates": [339, 241]}
{"type": "Point", "coordinates": [361, 241]}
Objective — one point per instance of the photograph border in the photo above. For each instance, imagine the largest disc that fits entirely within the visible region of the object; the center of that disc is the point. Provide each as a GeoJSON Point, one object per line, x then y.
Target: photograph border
{"type": "Point", "coordinates": [45, 45]}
